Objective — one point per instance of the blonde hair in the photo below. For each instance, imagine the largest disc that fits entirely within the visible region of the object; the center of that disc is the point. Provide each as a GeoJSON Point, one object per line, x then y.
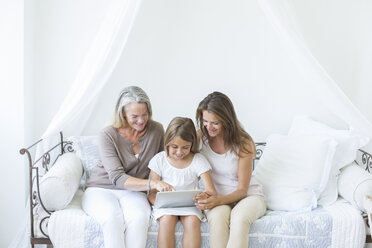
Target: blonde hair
{"type": "Point", "coordinates": [235, 137]}
{"type": "Point", "coordinates": [185, 129]}
{"type": "Point", "coordinates": [128, 95]}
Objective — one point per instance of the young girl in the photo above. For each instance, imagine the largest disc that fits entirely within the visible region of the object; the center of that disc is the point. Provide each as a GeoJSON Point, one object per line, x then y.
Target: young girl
{"type": "Point", "coordinates": [180, 166]}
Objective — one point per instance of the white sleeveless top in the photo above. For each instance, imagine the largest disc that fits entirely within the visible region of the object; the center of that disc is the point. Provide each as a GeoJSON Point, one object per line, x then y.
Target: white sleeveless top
{"type": "Point", "coordinates": [224, 171]}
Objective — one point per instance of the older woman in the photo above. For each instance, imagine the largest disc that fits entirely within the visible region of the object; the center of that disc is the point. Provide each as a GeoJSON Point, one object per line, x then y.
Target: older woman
{"type": "Point", "coordinates": [230, 150]}
{"type": "Point", "coordinates": [114, 194]}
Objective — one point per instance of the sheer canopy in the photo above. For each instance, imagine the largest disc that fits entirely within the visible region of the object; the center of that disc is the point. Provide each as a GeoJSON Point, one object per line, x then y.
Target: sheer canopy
{"type": "Point", "coordinates": [310, 91]}
{"type": "Point", "coordinates": [313, 90]}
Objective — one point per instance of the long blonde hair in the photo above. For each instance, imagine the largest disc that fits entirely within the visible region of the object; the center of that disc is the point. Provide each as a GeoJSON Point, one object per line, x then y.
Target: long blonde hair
{"type": "Point", "coordinates": [235, 137]}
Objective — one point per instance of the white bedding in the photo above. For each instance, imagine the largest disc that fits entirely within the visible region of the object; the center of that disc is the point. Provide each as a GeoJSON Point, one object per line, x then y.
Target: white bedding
{"type": "Point", "coordinates": [348, 225]}
{"type": "Point", "coordinates": [339, 225]}
{"type": "Point", "coordinates": [72, 228]}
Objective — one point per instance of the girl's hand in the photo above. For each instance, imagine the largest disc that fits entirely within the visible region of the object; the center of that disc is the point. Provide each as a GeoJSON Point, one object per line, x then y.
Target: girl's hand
{"type": "Point", "coordinates": [201, 196]}
{"type": "Point", "coordinates": [161, 186]}
{"type": "Point", "coordinates": [206, 201]}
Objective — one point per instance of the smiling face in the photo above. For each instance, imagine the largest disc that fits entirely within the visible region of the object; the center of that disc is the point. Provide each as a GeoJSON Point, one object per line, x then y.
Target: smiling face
{"type": "Point", "coordinates": [136, 115]}
{"type": "Point", "coordinates": [178, 148]}
{"type": "Point", "coordinates": [212, 124]}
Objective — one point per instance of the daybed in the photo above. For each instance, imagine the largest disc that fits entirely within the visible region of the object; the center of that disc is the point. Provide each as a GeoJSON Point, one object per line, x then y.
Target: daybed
{"type": "Point", "coordinates": [57, 217]}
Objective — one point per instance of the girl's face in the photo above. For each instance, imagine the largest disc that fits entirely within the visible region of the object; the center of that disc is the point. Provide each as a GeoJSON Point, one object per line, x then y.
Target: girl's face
{"type": "Point", "coordinates": [136, 115]}
{"type": "Point", "coordinates": [212, 124]}
{"type": "Point", "coordinates": [178, 148]}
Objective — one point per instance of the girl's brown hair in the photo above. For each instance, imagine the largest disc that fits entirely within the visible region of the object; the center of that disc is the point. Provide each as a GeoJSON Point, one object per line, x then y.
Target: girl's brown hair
{"type": "Point", "coordinates": [235, 137]}
{"type": "Point", "coordinates": [184, 128]}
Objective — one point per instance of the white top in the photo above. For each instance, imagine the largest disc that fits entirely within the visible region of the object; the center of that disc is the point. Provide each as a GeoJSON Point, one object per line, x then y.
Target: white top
{"type": "Point", "coordinates": [181, 179]}
{"type": "Point", "coordinates": [224, 172]}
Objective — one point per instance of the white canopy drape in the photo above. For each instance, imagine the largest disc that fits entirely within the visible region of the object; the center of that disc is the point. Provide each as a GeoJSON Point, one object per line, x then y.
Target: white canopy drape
{"type": "Point", "coordinates": [107, 48]}
{"type": "Point", "coordinates": [103, 56]}
{"type": "Point", "coordinates": [315, 78]}
{"type": "Point", "coordinates": [93, 75]}
{"type": "Point", "coordinates": [97, 67]}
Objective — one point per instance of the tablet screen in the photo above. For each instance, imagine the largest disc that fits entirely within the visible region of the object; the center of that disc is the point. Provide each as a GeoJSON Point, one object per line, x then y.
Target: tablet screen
{"type": "Point", "coordinates": [175, 199]}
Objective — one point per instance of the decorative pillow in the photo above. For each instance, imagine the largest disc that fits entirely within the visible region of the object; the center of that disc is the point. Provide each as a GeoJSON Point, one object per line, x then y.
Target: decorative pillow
{"type": "Point", "coordinates": [348, 144]}
{"type": "Point", "coordinates": [59, 184]}
{"type": "Point", "coordinates": [293, 170]}
{"type": "Point", "coordinates": [86, 148]}
{"type": "Point", "coordinates": [354, 184]}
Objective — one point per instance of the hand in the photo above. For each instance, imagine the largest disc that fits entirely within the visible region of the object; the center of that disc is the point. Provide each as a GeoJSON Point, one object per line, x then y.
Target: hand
{"type": "Point", "coordinates": [161, 186]}
{"type": "Point", "coordinates": [201, 196]}
{"type": "Point", "coordinates": [205, 201]}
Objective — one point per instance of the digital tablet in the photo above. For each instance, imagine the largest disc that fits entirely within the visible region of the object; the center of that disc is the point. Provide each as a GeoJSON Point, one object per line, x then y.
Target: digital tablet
{"type": "Point", "coordinates": [175, 199]}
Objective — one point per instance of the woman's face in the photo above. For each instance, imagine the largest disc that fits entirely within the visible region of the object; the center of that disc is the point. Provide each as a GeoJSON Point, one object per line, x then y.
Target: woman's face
{"type": "Point", "coordinates": [178, 148]}
{"type": "Point", "coordinates": [212, 124]}
{"type": "Point", "coordinates": [136, 115]}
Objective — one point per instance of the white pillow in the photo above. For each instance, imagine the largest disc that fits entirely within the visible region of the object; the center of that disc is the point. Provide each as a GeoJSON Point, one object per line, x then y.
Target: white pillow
{"type": "Point", "coordinates": [348, 144]}
{"type": "Point", "coordinates": [86, 148]}
{"type": "Point", "coordinates": [354, 183]}
{"type": "Point", "coordinates": [293, 170]}
{"type": "Point", "coordinates": [59, 184]}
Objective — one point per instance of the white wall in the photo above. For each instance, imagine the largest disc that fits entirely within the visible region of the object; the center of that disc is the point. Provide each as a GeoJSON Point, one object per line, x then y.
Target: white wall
{"type": "Point", "coordinates": [339, 35]}
{"type": "Point", "coordinates": [12, 175]}
{"type": "Point", "coordinates": [180, 51]}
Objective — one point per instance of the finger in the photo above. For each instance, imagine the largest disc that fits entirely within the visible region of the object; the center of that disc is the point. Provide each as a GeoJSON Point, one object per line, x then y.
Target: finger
{"type": "Point", "coordinates": [200, 196]}
{"type": "Point", "coordinates": [207, 194]}
{"type": "Point", "coordinates": [202, 201]}
{"type": "Point", "coordinates": [203, 207]}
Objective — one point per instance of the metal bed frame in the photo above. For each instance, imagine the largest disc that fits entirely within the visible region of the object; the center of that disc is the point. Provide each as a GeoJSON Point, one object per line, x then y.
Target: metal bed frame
{"type": "Point", "coordinates": [44, 163]}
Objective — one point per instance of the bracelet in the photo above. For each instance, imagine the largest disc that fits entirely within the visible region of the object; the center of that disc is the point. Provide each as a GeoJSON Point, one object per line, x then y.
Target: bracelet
{"type": "Point", "coordinates": [149, 185]}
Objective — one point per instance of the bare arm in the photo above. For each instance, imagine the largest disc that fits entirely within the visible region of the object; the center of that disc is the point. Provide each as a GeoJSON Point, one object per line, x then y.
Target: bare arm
{"type": "Point", "coordinates": [208, 183]}
{"type": "Point", "coordinates": [152, 194]}
{"type": "Point", "coordinates": [245, 167]}
{"type": "Point", "coordinates": [209, 187]}
{"type": "Point", "coordinates": [138, 184]}
{"type": "Point", "coordinates": [244, 177]}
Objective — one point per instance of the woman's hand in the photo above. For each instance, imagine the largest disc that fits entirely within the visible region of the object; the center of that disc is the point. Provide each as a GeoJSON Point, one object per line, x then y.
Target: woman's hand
{"type": "Point", "coordinates": [206, 200]}
{"type": "Point", "coordinates": [161, 186]}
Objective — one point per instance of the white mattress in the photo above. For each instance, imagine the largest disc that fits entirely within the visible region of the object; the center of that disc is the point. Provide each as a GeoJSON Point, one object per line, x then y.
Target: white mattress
{"type": "Point", "coordinates": [339, 225]}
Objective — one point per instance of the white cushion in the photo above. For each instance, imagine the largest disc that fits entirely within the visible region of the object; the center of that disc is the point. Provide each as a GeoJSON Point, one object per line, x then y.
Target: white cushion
{"type": "Point", "coordinates": [354, 184]}
{"type": "Point", "coordinates": [59, 184]}
{"type": "Point", "coordinates": [348, 144]}
{"type": "Point", "coordinates": [86, 148]}
{"type": "Point", "coordinates": [294, 170]}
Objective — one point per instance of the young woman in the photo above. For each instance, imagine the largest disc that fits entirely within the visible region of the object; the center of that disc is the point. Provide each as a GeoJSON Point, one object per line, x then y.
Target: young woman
{"type": "Point", "coordinates": [230, 150]}
{"type": "Point", "coordinates": [180, 166]}
{"type": "Point", "coordinates": [113, 196]}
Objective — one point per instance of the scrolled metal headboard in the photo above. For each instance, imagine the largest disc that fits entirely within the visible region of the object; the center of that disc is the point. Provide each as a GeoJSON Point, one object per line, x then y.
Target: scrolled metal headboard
{"type": "Point", "coordinates": [34, 165]}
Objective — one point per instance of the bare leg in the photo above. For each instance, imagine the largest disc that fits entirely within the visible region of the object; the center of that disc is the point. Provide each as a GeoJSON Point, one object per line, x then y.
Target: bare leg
{"type": "Point", "coordinates": [167, 224]}
{"type": "Point", "coordinates": [191, 231]}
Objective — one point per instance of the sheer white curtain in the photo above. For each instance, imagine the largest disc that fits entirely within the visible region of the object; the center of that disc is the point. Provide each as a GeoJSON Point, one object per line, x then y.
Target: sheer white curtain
{"type": "Point", "coordinates": [93, 75]}
{"type": "Point", "coordinates": [315, 78]}
{"type": "Point", "coordinates": [98, 64]}
{"type": "Point", "coordinates": [97, 67]}
{"type": "Point", "coordinates": [365, 89]}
